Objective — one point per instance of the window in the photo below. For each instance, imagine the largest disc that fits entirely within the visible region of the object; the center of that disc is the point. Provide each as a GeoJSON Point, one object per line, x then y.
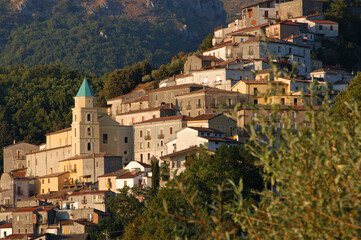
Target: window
{"type": "Point", "coordinates": [75, 118]}
{"type": "Point", "coordinates": [141, 145]}
{"type": "Point", "coordinates": [42, 181]}
{"type": "Point", "coordinates": [255, 91]}
{"type": "Point", "coordinates": [105, 138]}
{"type": "Point", "coordinates": [19, 154]}
{"type": "Point", "coordinates": [74, 167]}
{"type": "Point", "coordinates": [153, 116]}
{"type": "Point", "coordinates": [320, 27]}
{"type": "Point", "coordinates": [290, 50]}
{"type": "Point", "coordinates": [295, 101]}
{"type": "Point", "coordinates": [266, 12]}
{"type": "Point", "coordinates": [156, 97]}
{"type": "Point", "coordinates": [89, 131]}
{"type": "Point", "coordinates": [48, 189]}
{"type": "Point", "coordinates": [148, 144]}
{"type": "Point", "coordinates": [282, 101]}
{"type": "Point", "coordinates": [42, 190]}
{"type": "Point", "coordinates": [279, 49]}
{"type": "Point", "coordinates": [125, 139]}
{"type": "Point", "coordinates": [88, 117]}
{"type": "Point", "coordinates": [49, 180]}
{"type": "Point", "coordinates": [171, 130]}
{"type": "Point", "coordinates": [89, 147]}
{"type": "Point", "coordinates": [296, 89]}
{"type": "Point", "coordinates": [141, 157]}
{"type": "Point", "coordinates": [255, 101]}
{"type": "Point", "coordinates": [140, 133]}
{"type": "Point", "coordinates": [331, 28]}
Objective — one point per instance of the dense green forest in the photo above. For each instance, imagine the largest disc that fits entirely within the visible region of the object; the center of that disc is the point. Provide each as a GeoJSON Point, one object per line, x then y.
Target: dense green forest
{"type": "Point", "coordinates": [92, 45]}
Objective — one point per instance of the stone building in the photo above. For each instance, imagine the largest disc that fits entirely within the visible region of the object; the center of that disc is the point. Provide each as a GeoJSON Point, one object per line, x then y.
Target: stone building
{"type": "Point", "coordinates": [151, 136]}
{"type": "Point", "coordinates": [15, 155]}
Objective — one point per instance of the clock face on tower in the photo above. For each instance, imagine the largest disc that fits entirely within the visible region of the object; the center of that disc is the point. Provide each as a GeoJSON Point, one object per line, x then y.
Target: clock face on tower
{"type": "Point", "coordinates": [89, 101]}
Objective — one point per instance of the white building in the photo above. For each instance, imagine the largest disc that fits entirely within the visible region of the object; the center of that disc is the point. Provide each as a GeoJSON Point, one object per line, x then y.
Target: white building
{"type": "Point", "coordinates": [6, 229]}
{"type": "Point", "coordinates": [198, 136]}
{"type": "Point", "coordinates": [139, 175]}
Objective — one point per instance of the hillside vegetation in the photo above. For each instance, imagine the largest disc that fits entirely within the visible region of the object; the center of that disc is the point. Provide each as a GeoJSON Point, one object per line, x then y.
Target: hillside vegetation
{"type": "Point", "coordinates": [100, 36]}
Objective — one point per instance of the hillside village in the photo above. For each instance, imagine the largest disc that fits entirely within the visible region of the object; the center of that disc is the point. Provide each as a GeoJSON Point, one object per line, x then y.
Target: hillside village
{"type": "Point", "coordinates": [62, 187]}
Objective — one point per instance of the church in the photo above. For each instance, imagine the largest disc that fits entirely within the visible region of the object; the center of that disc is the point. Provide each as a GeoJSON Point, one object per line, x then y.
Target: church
{"type": "Point", "coordinates": [94, 145]}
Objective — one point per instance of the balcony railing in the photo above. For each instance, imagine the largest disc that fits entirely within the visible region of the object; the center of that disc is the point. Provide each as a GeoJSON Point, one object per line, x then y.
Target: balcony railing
{"type": "Point", "coordinates": [189, 107]}
{"type": "Point", "coordinates": [199, 105]}
{"type": "Point", "coordinates": [147, 137]}
{"type": "Point", "coordinates": [83, 201]}
{"type": "Point", "coordinates": [160, 136]}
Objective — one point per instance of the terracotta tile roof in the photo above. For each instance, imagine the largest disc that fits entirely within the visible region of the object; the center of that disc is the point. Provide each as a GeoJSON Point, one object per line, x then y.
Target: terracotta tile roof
{"type": "Point", "coordinates": [88, 192]}
{"type": "Point", "coordinates": [130, 175]}
{"type": "Point", "coordinates": [204, 117]}
{"type": "Point", "coordinates": [60, 131]}
{"type": "Point", "coordinates": [332, 71]}
{"type": "Point", "coordinates": [188, 85]}
{"type": "Point", "coordinates": [306, 16]}
{"type": "Point", "coordinates": [144, 164]}
{"type": "Point", "coordinates": [7, 225]}
{"type": "Point", "coordinates": [223, 44]}
{"type": "Point", "coordinates": [163, 107]}
{"type": "Point", "coordinates": [48, 150]}
{"type": "Point", "coordinates": [135, 91]}
{"type": "Point", "coordinates": [217, 139]}
{"type": "Point", "coordinates": [87, 156]}
{"type": "Point", "coordinates": [47, 209]}
{"type": "Point", "coordinates": [323, 21]}
{"type": "Point", "coordinates": [53, 175]}
{"type": "Point", "coordinates": [251, 28]}
{"type": "Point", "coordinates": [209, 58]}
{"type": "Point", "coordinates": [291, 37]}
{"type": "Point", "coordinates": [287, 22]}
{"type": "Point", "coordinates": [273, 40]}
{"type": "Point", "coordinates": [162, 119]}
{"type": "Point", "coordinates": [262, 82]}
{"type": "Point", "coordinates": [27, 209]}
{"type": "Point", "coordinates": [187, 150]}
{"type": "Point", "coordinates": [210, 130]}
{"type": "Point", "coordinates": [18, 236]}
{"type": "Point", "coordinates": [115, 174]}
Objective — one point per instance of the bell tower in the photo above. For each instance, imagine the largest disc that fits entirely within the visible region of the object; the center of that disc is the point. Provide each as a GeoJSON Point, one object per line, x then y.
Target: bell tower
{"type": "Point", "coordinates": [85, 126]}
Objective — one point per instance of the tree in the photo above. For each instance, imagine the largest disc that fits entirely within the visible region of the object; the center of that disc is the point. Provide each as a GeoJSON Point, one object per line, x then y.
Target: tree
{"type": "Point", "coordinates": [155, 175]}
{"type": "Point", "coordinates": [350, 95]}
{"type": "Point", "coordinates": [207, 43]}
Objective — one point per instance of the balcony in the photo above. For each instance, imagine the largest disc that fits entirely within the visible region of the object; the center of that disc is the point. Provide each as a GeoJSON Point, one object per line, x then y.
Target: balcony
{"type": "Point", "coordinates": [189, 107]}
{"type": "Point", "coordinates": [199, 105]}
{"type": "Point", "coordinates": [147, 137]}
{"type": "Point", "coordinates": [160, 136]}
{"type": "Point", "coordinates": [19, 192]}
{"type": "Point", "coordinates": [84, 202]}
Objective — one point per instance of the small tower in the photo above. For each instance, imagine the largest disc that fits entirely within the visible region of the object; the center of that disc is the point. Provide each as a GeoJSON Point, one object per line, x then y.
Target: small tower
{"type": "Point", "coordinates": [85, 126]}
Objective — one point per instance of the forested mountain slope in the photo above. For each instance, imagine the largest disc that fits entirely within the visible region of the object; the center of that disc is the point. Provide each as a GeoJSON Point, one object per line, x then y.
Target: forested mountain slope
{"type": "Point", "coordinates": [103, 35]}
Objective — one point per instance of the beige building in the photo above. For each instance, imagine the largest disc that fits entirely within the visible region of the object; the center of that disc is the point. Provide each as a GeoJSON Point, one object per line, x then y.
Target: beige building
{"type": "Point", "coordinates": [120, 104]}
{"type": "Point", "coordinates": [214, 121]}
{"type": "Point", "coordinates": [283, 29]}
{"type": "Point", "coordinates": [196, 62]}
{"type": "Point", "coordinates": [132, 117]}
{"type": "Point", "coordinates": [151, 136]}
{"type": "Point", "coordinates": [91, 133]}
{"type": "Point", "coordinates": [207, 100]}
{"type": "Point", "coordinates": [297, 8]}
{"type": "Point", "coordinates": [108, 180]}
{"type": "Point", "coordinates": [51, 183]}
{"type": "Point", "coordinates": [160, 96]}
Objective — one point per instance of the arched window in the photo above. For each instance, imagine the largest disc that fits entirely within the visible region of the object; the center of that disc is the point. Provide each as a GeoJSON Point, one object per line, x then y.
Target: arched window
{"type": "Point", "coordinates": [88, 117]}
{"type": "Point", "coordinates": [89, 146]}
{"type": "Point", "coordinates": [74, 117]}
{"type": "Point", "coordinates": [89, 131]}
